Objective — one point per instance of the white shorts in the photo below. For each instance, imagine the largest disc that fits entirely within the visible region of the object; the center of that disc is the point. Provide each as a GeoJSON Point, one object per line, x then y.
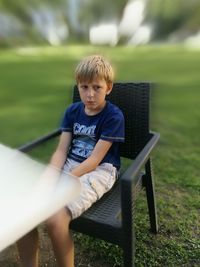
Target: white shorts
{"type": "Point", "coordinates": [93, 185]}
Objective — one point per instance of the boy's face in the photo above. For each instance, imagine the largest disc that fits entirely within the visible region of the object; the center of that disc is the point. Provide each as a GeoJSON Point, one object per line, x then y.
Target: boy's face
{"type": "Point", "coordinates": [93, 93]}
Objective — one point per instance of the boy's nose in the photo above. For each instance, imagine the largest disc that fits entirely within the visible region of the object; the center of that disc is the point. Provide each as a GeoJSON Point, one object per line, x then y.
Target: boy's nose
{"type": "Point", "coordinates": [90, 93]}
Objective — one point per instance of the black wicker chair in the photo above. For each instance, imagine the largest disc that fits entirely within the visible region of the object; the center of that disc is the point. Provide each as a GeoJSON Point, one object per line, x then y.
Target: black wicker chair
{"type": "Point", "coordinates": [112, 217]}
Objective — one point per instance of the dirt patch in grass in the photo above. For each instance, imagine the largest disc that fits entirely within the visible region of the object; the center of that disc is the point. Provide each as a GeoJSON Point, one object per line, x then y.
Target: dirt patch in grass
{"type": "Point", "coordinates": [9, 257]}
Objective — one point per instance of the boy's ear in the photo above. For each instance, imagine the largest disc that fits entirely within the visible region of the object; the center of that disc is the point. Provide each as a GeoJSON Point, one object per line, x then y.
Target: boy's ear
{"type": "Point", "coordinates": [109, 87]}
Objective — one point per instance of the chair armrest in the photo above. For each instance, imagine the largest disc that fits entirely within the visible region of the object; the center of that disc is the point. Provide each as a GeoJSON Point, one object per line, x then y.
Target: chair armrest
{"type": "Point", "coordinates": [30, 145]}
{"type": "Point", "coordinates": [130, 175]}
{"type": "Point", "coordinates": [128, 182]}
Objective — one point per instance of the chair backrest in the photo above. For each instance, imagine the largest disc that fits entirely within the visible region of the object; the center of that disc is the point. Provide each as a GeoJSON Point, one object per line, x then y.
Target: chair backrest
{"type": "Point", "coordinates": [133, 99]}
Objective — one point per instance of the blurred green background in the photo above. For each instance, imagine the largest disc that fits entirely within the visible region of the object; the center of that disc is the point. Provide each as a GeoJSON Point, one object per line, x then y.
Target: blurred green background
{"type": "Point", "coordinates": [36, 82]}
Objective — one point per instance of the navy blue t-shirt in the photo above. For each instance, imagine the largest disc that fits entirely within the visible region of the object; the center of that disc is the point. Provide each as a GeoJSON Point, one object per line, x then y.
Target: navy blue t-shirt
{"type": "Point", "coordinates": [87, 130]}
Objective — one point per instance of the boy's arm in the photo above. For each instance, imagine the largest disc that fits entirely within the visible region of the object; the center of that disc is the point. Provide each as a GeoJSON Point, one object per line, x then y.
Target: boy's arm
{"type": "Point", "coordinates": [59, 157]}
{"type": "Point", "coordinates": [99, 152]}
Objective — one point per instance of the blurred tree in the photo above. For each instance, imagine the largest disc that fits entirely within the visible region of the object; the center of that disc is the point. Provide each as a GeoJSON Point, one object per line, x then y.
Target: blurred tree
{"type": "Point", "coordinates": [94, 12]}
{"type": "Point", "coordinates": [17, 8]}
{"type": "Point", "coordinates": [192, 23]}
{"type": "Point", "coordinates": [22, 10]}
{"type": "Point", "coordinates": [168, 16]}
{"type": "Point", "coordinates": [20, 7]}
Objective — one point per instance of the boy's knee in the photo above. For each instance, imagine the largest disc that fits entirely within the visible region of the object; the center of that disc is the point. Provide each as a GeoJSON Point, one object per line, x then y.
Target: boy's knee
{"type": "Point", "coordinates": [59, 218]}
{"type": "Point", "coordinates": [53, 222]}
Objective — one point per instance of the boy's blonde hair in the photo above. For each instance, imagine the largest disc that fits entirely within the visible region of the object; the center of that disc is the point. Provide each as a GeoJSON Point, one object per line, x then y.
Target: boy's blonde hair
{"type": "Point", "coordinates": [93, 67]}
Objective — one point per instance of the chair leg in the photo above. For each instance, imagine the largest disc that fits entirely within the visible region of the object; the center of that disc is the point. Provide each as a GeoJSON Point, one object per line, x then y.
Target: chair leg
{"type": "Point", "coordinates": [149, 184]}
{"type": "Point", "coordinates": [128, 231]}
{"type": "Point", "coordinates": [129, 251]}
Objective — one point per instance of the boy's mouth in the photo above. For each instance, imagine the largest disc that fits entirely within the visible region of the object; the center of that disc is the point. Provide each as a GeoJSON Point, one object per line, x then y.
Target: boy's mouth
{"type": "Point", "coordinates": [90, 102]}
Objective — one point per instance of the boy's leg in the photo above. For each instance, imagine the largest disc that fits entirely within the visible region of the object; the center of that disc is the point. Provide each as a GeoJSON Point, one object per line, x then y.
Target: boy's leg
{"type": "Point", "coordinates": [28, 249]}
{"type": "Point", "coordinates": [63, 245]}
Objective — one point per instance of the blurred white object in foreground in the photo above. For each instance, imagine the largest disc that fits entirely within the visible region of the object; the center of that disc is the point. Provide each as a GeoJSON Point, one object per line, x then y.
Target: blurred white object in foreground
{"type": "Point", "coordinates": [104, 34]}
{"type": "Point", "coordinates": [29, 193]}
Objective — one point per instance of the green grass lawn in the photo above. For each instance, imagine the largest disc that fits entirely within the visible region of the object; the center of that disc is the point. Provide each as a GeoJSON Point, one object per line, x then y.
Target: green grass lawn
{"type": "Point", "coordinates": [35, 88]}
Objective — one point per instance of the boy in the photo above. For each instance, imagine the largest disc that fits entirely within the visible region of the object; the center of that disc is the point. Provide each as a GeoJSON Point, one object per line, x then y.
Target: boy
{"type": "Point", "coordinates": [89, 149]}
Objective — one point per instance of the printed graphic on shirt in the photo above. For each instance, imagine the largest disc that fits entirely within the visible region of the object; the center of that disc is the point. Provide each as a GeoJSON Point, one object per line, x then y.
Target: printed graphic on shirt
{"type": "Point", "coordinates": [84, 142]}
{"type": "Point", "coordinates": [84, 130]}
{"type": "Point", "coordinates": [83, 146]}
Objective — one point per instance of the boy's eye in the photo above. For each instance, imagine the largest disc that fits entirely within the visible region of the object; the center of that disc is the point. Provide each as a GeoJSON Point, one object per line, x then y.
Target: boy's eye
{"type": "Point", "coordinates": [97, 87]}
{"type": "Point", "coordinates": [84, 87]}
